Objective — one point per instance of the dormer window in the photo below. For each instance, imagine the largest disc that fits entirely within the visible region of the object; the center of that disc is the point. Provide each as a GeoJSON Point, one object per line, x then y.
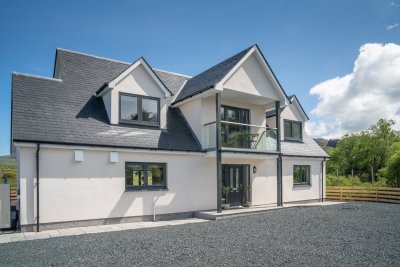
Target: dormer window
{"type": "Point", "coordinates": [138, 109]}
{"type": "Point", "coordinates": [293, 130]}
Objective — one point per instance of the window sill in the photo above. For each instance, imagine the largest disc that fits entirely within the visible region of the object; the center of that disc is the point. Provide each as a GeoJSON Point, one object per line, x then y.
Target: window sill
{"type": "Point", "coordinates": [147, 188]}
{"type": "Point", "coordinates": [301, 185]}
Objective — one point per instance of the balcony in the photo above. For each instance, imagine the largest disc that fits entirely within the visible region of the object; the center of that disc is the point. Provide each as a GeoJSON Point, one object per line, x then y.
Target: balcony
{"type": "Point", "coordinates": [241, 136]}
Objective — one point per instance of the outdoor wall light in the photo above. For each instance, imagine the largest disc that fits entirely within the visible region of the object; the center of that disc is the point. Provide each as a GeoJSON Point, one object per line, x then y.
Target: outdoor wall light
{"type": "Point", "coordinates": [254, 169]}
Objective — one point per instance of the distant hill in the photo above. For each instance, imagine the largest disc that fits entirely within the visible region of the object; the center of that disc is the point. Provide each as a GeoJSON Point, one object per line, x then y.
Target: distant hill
{"type": "Point", "coordinates": [8, 161]}
{"type": "Point", "coordinates": [326, 144]}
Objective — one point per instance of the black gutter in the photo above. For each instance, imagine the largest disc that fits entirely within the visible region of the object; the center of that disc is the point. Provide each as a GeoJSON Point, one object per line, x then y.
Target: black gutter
{"type": "Point", "coordinates": [37, 186]}
{"type": "Point", "coordinates": [192, 95]}
{"type": "Point", "coordinates": [107, 146]}
{"type": "Point", "coordinates": [304, 156]}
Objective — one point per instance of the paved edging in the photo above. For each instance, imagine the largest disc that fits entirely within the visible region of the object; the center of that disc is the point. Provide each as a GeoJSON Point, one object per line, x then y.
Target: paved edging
{"type": "Point", "coordinates": [14, 237]}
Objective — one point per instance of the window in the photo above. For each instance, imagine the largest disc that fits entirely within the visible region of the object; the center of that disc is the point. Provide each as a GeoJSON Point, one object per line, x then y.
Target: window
{"type": "Point", "coordinates": [139, 175]}
{"type": "Point", "coordinates": [293, 130]}
{"type": "Point", "coordinates": [138, 109]}
{"type": "Point", "coordinates": [301, 175]}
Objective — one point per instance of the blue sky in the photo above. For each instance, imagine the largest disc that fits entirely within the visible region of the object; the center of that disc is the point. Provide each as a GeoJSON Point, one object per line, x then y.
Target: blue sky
{"type": "Point", "coordinates": [305, 42]}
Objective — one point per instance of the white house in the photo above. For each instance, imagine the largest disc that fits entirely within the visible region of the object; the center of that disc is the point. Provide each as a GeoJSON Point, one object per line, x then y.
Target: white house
{"type": "Point", "coordinates": [104, 141]}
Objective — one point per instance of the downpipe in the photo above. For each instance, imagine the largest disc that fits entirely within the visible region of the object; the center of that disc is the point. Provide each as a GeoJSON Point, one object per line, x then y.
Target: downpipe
{"type": "Point", "coordinates": [37, 186]}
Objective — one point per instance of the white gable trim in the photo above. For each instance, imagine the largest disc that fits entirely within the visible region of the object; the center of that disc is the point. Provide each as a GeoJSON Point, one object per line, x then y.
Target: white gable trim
{"type": "Point", "coordinates": [296, 103]}
{"type": "Point", "coordinates": [267, 69]}
{"type": "Point", "coordinates": [126, 72]}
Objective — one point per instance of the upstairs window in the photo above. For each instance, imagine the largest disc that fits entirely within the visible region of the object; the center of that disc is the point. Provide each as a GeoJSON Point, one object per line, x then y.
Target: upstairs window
{"type": "Point", "coordinates": [293, 131]}
{"type": "Point", "coordinates": [137, 109]}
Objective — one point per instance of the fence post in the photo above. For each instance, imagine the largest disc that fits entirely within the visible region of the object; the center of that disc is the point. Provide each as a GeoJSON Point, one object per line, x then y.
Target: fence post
{"type": "Point", "coordinates": [341, 193]}
{"type": "Point", "coordinates": [377, 191]}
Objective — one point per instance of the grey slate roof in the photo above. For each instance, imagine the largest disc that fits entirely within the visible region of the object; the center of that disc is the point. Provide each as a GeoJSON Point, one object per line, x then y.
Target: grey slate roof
{"type": "Point", "coordinates": [207, 79]}
{"type": "Point", "coordinates": [307, 148]}
{"type": "Point", "coordinates": [66, 111]}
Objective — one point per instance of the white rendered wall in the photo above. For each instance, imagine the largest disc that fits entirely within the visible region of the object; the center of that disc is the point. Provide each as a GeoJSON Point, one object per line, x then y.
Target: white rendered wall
{"type": "Point", "coordinates": [138, 82]}
{"type": "Point", "coordinates": [95, 188]}
{"type": "Point", "coordinates": [250, 78]}
{"type": "Point", "coordinates": [301, 192]}
{"type": "Point", "coordinates": [192, 111]}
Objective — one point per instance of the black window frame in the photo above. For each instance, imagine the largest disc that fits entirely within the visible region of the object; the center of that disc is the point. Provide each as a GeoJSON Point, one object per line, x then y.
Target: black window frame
{"type": "Point", "coordinates": [140, 120]}
{"type": "Point", "coordinates": [291, 138]}
{"type": "Point", "coordinates": [308, 181]}
{"type": "Point", "coordinates": [146, 187]}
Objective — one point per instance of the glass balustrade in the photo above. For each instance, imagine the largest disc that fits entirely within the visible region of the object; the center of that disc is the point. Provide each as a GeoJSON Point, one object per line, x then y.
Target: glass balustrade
{"type": "Point", "coordinates": [242, 136]}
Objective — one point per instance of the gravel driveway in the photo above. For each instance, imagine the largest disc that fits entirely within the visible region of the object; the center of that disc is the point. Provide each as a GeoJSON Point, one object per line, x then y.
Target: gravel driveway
{"type": "Point", "coordinates": [352, 234]}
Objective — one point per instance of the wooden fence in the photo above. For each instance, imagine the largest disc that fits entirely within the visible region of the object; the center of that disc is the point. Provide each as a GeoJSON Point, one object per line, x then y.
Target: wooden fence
{"type": "Point", "coordinates": [13, 193]}
{"type": "Point", "coordinates": [375, 194]}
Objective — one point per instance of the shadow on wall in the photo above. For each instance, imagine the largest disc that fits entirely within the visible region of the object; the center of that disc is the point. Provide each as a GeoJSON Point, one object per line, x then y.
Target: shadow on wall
{"type": "Point", "coordinates": [149, 202]}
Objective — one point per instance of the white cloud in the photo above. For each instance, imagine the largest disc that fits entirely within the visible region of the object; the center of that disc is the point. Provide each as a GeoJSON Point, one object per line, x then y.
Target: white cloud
{"type": "Point", "coordinates": [393, 4]}
{"type": "Point", "coordinates": [393, 26]}
{"type": "Point", "coordinates": [354, 102]}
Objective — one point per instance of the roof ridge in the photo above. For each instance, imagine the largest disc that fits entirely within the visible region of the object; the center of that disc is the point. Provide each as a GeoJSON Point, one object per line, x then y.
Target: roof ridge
{"type": "Point", "coordinates": [174, 73]}
{"type": "Point", "coordinates": [94, 56]}
{"type": "Point", "coordinates": [36, 76]}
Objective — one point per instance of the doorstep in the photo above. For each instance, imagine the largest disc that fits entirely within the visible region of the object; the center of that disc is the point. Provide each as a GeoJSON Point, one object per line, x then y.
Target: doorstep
{"type": "Point", "coordinates": [241, 211]}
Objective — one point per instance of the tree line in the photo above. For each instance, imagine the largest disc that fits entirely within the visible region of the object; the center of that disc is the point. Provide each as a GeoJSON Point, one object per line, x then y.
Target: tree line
{"type": "Point", "coordinates": [370, 157]}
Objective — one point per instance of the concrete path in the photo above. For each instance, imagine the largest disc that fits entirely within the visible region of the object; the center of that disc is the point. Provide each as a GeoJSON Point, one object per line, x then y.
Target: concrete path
{"type": "Point", "coordinates": [6, 238]}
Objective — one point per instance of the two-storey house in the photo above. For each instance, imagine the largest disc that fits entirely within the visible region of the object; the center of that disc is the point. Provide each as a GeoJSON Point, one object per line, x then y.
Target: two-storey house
{"type": "Point", "coordinates": [104, 141]}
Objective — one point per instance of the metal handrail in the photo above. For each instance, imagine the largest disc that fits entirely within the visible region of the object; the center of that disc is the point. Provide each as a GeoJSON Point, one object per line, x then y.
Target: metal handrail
{"type": "Point", "coordinates": [237, 123]}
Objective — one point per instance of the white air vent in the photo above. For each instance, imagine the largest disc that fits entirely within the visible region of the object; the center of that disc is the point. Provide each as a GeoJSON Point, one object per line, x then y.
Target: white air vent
{"type": "Point", "coordinates": [113, 156]}
{"type": "Point", "coordinates": [79, 155]}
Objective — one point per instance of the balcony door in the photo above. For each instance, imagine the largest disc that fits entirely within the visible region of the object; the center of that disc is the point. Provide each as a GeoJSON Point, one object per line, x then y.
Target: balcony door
{"type": "Point", "coordinates": [235, 135]}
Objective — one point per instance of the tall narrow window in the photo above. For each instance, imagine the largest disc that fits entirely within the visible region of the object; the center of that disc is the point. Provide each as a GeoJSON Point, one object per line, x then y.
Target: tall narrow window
{"type": "Point", "coordinates": [137, 109]}
{"type": "Point", "coordinates": [293, 131]}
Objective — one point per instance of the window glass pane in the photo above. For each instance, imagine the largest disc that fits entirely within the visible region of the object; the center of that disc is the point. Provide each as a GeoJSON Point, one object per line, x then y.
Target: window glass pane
{"type": "Point", "coordinates": [233, 115]}
{"type": "Point", "coordinates": [134, 174]}
{"type": "Point", "coordinates": [301, 174]}
{"type": "Point", "coordinates": [155, 174]}
{"type": "Point", "coordinates": [138, 175]}
{"type": "Point", "coordinates": [296, 130]}
{"type": "Point", "coordinates": [288, 129]}
{"type": "Point", "coordinates": [223, 113]}
{"type": "Point", "coordinates": [129, 108]}
{"type": "Point", "coordinates": [150, 110]}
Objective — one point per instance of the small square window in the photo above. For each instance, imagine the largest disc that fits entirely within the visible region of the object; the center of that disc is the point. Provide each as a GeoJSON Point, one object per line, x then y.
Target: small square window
{"type": "Point", "coordinates": [301, 175]}
{"type": "Point", "coordinates": [138, 109]}
{"type": "Point", "coordinates": [293, 130]}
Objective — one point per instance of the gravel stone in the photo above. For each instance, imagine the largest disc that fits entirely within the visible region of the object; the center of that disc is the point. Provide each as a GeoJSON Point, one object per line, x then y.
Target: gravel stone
{"type": "Point", "coordinates": [350, 234]}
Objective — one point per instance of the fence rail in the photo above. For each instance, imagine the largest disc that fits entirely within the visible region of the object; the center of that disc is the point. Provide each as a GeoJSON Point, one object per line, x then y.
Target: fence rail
{"type": "Point", "coordinates": [375, 194]}
{"type": "Point", "coordinates": [13, 193]}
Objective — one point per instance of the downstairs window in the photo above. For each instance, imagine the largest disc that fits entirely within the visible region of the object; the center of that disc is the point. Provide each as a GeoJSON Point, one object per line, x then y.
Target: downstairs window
{"type": "Point", "coordinates": [301, 175]}
{"type": "Point", "coordinates": [147, 176]}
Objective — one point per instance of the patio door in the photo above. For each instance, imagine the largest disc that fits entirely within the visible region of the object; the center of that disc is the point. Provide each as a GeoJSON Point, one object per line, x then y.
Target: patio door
{"type": "Point", "coordinates": [234, 135]}
{"type": "Point", "coordinates": [235, 178]}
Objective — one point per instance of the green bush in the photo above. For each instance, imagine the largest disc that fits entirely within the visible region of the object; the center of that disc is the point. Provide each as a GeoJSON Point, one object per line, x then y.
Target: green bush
{"type": "Point", "coordinates": [332, 180]}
